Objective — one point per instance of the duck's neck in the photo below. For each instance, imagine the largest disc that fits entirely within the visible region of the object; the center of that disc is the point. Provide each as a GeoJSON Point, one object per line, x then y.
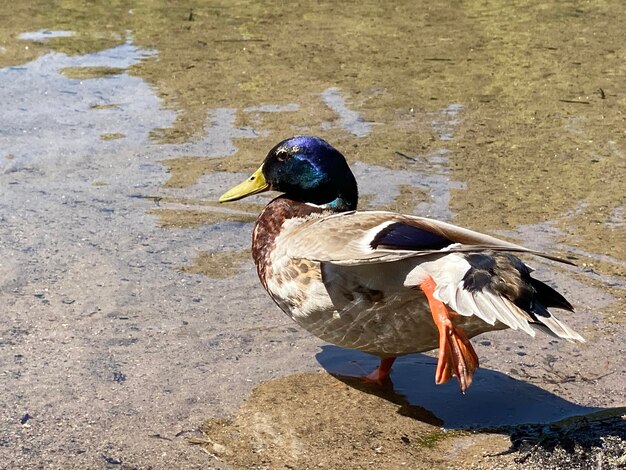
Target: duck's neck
{"type": "Point", "coordinates": [341, 204]}
{"type": "Point", "coordinates": [268, 226]}
{"type": "Point", "coordinates": [341, 199]}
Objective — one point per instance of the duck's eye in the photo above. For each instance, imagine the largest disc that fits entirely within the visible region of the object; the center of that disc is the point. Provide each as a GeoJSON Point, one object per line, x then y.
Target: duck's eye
{"type": "Point", "coordinates": [282, 156]}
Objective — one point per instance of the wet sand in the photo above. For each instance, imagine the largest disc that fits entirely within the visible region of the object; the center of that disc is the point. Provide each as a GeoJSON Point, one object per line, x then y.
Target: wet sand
{"type": "Point", "coordinates": [134, 333]}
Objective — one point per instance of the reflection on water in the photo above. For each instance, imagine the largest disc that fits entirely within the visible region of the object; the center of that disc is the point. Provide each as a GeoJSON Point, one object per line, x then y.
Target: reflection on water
{"type": "Point", "coordinates": [273, 108]}
{"type": "Point", "coordinates": [50, 117]}
{"type": "Point", "coordinates": [44, 35]}
{"type": "Point", "coordinates": [494, 399]}
{"type": "Point", "coordinates": [348, 119]}
{"type": "Point", "coordinates": [382, 185]}
{"type": "Point", "coordinates": [444, 125]}
{"type": "Point", "coordinates": [94, 104]}
{"type": "Point", "coordinates": [59, 106]}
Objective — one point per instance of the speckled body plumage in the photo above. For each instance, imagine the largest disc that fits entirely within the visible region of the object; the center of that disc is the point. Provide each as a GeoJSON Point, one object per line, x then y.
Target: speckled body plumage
{"type": "Point", "coordinates": [359, 307]}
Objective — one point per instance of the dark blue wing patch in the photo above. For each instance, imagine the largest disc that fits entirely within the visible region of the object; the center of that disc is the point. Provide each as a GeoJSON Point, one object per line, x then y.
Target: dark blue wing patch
{"type": "Point", "coordinates": [401, 236]}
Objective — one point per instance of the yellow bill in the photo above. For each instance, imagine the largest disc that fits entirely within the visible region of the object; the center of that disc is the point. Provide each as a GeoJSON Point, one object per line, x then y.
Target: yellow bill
{"type": "Point", "coordinates": [253, 185]}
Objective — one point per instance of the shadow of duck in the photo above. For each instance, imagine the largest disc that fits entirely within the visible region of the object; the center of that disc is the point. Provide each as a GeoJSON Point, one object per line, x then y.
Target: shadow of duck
{"type": "Point", "coordinates": [494, 400]}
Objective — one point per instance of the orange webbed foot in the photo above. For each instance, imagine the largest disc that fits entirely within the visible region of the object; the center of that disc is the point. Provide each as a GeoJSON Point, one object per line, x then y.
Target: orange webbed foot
{"type": "Point", "coordinates": [380, 375]}
{"type": "Point", "coordinates": [456, 354]}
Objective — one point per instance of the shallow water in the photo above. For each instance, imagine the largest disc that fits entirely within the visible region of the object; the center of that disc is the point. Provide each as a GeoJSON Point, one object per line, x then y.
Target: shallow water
{"type": "Point", "coordinates": [123, 123]}
{"type": "Point", "coordinates": [495, 399]}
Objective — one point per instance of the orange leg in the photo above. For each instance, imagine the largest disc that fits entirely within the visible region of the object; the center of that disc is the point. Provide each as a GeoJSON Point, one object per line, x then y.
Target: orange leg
{"type": "Point", "coordinates": [456, 353]}
{"type": "Point", "coordinates": [381, 373]}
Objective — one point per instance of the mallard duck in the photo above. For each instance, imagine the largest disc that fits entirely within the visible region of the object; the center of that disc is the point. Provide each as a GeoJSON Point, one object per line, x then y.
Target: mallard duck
{"type": "Point", "coordinates": [381, 282]}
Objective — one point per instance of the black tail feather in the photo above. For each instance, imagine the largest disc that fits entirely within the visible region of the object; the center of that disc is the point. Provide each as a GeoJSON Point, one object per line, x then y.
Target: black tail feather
{"type": "Point", "coordinates": [549, 297]}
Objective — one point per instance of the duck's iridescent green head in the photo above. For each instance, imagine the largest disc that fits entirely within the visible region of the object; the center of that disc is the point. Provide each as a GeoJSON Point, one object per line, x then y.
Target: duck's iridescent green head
{"type": "Point", "coordinates": [306, 169]}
